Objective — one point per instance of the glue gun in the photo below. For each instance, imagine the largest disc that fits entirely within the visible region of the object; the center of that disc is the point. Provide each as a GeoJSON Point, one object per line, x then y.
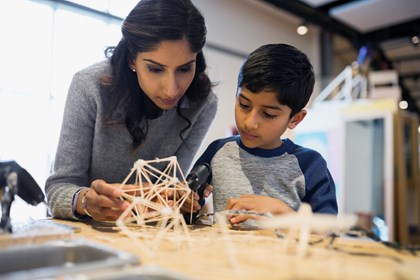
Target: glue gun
{"type": "Point", "coordinates": [197, 178]}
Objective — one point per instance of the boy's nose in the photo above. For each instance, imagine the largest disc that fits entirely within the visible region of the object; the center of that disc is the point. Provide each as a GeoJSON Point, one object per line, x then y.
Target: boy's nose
{"type": "Point", "coordinates": [251, 121]}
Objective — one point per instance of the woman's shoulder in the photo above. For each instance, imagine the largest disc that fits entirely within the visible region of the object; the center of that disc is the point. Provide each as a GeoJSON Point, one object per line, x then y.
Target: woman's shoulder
{"type": "Point", "coordinates": [212, 96]}
{"type": "Point", "coordinates": [208, 104]}
{"type": "Point", "coordinates": [87, 81]}
{"type": "Point", "coordinates": [94, 71]}
{"type": "Point", "coordinates": [212, 100]}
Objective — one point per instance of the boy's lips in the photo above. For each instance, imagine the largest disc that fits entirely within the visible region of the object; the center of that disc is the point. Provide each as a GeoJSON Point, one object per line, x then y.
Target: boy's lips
{"type": "Point", "coordinates": [248, 135]}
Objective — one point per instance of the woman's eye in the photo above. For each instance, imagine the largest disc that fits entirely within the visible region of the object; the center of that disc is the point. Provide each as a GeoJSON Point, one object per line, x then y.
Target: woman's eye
{"type": "Point", "coordinates": [154, 69]}
{"type": "Point", "coordinates": [185, 69]}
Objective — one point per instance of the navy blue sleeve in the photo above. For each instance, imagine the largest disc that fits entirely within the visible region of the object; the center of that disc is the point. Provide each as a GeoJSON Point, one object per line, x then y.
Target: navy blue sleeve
{"type": "Point", "coordinates": [207, 157]}
{"type": "Point", "coordinates": [319, 184]}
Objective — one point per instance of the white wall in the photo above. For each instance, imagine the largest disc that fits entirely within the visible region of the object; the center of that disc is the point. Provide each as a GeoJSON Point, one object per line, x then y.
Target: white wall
{"type": "Point", "coordinates": [242, 26]}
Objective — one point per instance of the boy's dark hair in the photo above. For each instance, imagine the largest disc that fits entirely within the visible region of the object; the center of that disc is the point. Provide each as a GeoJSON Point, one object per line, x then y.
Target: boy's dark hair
{"type": "Point", "coordinates": [282, 69]}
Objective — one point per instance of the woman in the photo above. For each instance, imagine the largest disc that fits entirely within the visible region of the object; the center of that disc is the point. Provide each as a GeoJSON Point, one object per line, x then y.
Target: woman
{"type": "Point", "coordinates": [151, 99]}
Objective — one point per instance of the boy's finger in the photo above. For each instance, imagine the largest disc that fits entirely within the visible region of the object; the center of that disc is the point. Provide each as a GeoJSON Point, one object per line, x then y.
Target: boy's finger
{"type": "Point", "coordinates": [231, 203]}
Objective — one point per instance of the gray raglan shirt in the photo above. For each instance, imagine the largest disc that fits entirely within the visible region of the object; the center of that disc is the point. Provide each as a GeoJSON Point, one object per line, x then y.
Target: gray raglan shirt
{"type": "Point", "coordinates": [88, 149]}
{"type": "Point", "coordinates": [290, 173]}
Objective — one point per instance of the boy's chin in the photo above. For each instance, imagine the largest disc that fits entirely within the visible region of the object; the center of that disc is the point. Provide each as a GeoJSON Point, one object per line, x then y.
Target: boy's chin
{"type": "Point", "coordinates": [254, 145]}
{"type": "Point", "coordinates": [249, 144]}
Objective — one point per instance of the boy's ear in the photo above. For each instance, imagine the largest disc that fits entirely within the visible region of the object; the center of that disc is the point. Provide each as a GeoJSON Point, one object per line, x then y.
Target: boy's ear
{"type": "Point", "coordinates": [296, 119]}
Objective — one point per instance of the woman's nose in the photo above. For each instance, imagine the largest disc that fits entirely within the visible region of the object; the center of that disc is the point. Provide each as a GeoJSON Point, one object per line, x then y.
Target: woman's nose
{"type": "Point", "coordinates": [171, 86]}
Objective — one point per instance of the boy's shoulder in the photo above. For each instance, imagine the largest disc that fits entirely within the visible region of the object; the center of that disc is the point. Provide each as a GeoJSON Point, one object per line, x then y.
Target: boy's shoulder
{"type": "Point", "coordinates": [215, 147]}
{"type": "Point", "coordinates": [304, 154]}
{"type": "Point", "coordinates": [219, 143]}
{"type": "Point", "coordinates": [299, 149]}
{"type": "Point", "coordinates": [223, 141]}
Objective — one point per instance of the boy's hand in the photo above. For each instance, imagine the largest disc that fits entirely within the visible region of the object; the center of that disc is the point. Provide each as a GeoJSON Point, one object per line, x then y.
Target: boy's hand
{"type": "Point", "coordinates": [256, 203]}
{"type": "Point", "coordinates": [186, 207]}
{"type": "Point", "coordinates": [193, 199]}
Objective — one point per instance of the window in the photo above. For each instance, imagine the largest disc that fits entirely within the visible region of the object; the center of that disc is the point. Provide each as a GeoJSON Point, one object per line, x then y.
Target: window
{"type": "Point", "coordinates": [43, 44]}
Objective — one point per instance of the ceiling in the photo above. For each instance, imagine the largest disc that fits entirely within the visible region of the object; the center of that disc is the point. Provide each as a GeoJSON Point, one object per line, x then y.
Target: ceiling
{"type": "Point", "coordinates": [384, 26]}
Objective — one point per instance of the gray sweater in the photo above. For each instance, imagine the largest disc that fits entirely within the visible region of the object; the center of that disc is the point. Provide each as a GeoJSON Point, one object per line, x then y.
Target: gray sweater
{"type": "Point", "coordinates": [88, 149]}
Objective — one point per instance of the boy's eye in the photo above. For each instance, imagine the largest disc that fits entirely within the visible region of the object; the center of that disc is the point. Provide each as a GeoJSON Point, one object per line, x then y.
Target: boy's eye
{"type": "Point", "coordinates": [269, 116]}
{"type": "Point", "coordinates": [242, 105]}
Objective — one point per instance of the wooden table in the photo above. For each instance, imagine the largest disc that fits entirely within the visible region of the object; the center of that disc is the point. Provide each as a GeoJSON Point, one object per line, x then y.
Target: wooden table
{"type": "Point", "coordinates": [207, 253]}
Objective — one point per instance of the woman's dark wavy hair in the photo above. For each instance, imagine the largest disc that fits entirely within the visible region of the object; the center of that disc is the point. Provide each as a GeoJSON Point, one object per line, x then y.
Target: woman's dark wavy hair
{"type": "Point", "coordinates": [146, 26]}
{"type": "Point", "coordinates": [282, 69]}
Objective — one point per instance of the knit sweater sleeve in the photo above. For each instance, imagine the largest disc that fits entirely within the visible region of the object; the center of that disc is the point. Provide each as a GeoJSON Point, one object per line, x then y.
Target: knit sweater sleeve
{"type": "Point", "coordinates": [74, 148]}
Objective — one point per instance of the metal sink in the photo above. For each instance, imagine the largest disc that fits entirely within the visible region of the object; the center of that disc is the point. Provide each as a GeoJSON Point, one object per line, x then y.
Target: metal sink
{"type": "Point", "coordinates": [148, 272]}
{"type": "Point", "coordinates": [58, 258]}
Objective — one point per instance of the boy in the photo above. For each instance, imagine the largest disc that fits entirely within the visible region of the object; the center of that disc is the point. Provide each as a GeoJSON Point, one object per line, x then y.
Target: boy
{"type": "Point", "coordinates": [257, 170]}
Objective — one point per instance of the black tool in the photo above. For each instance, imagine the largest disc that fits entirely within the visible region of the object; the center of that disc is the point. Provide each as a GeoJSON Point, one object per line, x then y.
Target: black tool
{"type": "Point", "coordinates": [197, 178]}
{"type": "Point", "coordinates": [16, 180]}
{"type": "Point", "coordinates": [28, 188]}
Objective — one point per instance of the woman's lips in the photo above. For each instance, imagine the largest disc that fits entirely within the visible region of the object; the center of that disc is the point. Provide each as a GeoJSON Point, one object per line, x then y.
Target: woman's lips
{"type": "Point", "coordinates": [169, 101]}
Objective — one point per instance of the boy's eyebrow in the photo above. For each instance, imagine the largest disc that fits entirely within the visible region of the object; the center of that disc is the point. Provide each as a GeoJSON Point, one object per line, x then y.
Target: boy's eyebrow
{"type": "Point", "coordinates": [274, 107]}
{"type": "Point", "coordinates": [164, 66]}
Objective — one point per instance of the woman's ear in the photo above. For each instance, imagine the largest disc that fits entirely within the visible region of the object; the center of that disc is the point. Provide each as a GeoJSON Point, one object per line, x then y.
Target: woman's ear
{"type": "Point", "coordinates": [131, 64]}
{"type": "Point", "coordinates": [296, 119]}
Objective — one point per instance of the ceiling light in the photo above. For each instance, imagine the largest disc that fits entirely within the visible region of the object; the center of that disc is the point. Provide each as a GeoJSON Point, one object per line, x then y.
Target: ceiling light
{"type": "Point", "coordinates": [415, 40]}
{"type": "Point", "coordinates": [302, 29]}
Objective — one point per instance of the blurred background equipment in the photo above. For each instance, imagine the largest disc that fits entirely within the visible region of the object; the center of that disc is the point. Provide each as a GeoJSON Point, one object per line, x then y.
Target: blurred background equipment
{"type": "Point", "coordinates": [16, 180]}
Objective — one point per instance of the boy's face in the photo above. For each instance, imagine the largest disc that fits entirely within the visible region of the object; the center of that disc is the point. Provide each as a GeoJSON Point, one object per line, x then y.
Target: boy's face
{"type": "Point", "coordinates": [261, 119]}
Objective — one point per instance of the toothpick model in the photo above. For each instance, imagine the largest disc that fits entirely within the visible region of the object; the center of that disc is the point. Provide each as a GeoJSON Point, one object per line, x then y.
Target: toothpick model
{"type": "Point", "coordinates": [149, 200]}
{"type": "Point", "coordinates": [305, 222]}
{"type": "Point", "coordinates": [149, 204]}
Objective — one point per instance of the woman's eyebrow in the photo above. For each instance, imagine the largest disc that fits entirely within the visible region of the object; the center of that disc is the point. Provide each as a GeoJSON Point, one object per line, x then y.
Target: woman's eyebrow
{"type": "Point", "coordinates": [153, 62]}
{"type": "Point", "coordinates": [164, 66]}
{"type": "Point", "coordinates": [188, 63]}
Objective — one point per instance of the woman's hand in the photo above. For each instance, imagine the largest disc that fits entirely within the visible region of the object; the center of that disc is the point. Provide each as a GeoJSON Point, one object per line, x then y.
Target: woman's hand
{"type": "Point", "coordinates": [102, 201]}
{"type": "Point", "coordinates": [256, 203]}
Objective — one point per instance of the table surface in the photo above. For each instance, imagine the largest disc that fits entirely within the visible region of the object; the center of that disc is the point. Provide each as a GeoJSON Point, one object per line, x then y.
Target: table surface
{"type": "Point", "coordinates": [207, 252]}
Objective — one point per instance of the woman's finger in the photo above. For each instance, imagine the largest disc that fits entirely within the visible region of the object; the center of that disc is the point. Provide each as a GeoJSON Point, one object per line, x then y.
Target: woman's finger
{"type": "Point", "coordinates": [101, 187]}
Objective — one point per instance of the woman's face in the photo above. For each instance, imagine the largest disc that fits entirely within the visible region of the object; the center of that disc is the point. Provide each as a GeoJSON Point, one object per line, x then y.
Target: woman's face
{"type": "Point", "coordinates": [165, 73]}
